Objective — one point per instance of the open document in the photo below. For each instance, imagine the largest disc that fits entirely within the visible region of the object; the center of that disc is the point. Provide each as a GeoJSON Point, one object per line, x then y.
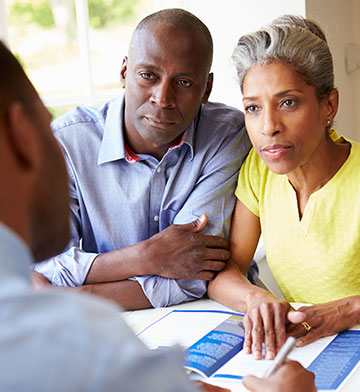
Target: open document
{"type": "Point", "coordinates": [213, 341]}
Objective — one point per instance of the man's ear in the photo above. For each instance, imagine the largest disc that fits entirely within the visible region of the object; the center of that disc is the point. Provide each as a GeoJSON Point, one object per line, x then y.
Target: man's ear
{"type": "Point", "coordinates": [23, 136]}
{"type": "Point", "coordinates": [123, 72]}
{"type": "Point", "coordinates": [208, 89]}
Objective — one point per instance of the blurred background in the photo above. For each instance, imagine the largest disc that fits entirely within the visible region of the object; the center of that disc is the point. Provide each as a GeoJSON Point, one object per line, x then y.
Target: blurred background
{"type": "Point", "coordinates": [72, 50]}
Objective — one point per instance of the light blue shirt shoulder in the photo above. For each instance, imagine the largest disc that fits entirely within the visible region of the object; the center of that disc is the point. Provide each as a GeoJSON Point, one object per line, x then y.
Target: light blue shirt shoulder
{"type": "Point", "coordinates": [117, 201]}
{"type": "Point", "coordinates": [55, 341]}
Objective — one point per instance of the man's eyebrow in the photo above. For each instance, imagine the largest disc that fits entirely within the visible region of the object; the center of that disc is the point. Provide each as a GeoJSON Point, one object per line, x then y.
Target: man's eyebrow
{"type": "Point", "coordinates": [148, 66]}
{"type": "Point", "coordinates": [152, 67]}
{"type": "Point", "coordinates": [279, 94]}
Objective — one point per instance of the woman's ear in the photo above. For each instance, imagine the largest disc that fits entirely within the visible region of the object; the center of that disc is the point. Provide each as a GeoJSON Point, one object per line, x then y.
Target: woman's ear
{"type": "Point", "coordinates": [331, 104]}
{"type": "Point", "coordinates": [23, 136]}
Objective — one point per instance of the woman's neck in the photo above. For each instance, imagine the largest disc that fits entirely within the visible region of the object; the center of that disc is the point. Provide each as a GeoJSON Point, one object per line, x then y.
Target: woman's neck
{"type": "Point", "coordinates": [316, 173]}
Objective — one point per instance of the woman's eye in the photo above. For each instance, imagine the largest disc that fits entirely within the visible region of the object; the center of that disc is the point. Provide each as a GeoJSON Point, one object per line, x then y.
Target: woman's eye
{"type": "Point", "coordinates": [184, 83]}
{"type": "Point", "coordinates": [289, 103]}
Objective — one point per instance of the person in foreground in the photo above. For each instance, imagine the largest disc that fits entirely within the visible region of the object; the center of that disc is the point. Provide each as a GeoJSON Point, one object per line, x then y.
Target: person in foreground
{"type": "Point", "coordinates": [53, 340]}
{"type": "Point", "coordinates": [144, 169]}
{"type": "Point", "coordinates": [299, 187]}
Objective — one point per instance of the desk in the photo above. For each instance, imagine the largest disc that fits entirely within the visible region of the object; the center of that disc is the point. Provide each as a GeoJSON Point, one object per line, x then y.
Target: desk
{"type": "Point", "coordinates": [140, 319]}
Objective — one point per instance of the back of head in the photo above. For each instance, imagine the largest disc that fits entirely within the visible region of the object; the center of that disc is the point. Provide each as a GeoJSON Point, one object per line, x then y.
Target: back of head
{"type": "Point", "coordinates": [293, 40]}
{"type": "Point", "coordinates": [34, 202]}
{"type": "Point", "coordinates": [14, 84]}
{"type": "Point", "coordinates": [179, 19]}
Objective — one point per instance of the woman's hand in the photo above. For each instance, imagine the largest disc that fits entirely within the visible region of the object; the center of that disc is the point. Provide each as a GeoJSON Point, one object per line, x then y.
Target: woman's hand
{"type": "Point", "coordinates": [325, 319]}
{"type": "Point", "coordinates": [265, 321]}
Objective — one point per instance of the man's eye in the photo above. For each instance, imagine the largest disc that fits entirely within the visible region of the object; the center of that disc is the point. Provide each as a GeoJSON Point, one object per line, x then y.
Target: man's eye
{"type": "Point", "coordinates": [251, 109]}
{"type": "Point", "coordinates": [184, 83]}
{"type": "Point", "coordinates": [146, 75]}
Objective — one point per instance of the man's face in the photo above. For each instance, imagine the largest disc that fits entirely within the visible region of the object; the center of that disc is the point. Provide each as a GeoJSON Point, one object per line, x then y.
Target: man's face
{"type": "Point", "coordinates": [166, 78]}
{"type": "Point", "coordinates": [50, 201]}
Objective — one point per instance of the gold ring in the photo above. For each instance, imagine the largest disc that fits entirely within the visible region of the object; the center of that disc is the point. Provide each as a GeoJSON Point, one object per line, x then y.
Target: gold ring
{"type": "Point", "coordinates": [307, 326]}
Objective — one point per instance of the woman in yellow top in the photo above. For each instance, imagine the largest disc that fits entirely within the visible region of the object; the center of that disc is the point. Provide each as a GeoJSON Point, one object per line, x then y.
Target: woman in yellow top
{"type": "Point", "coordinates": [299, 187]}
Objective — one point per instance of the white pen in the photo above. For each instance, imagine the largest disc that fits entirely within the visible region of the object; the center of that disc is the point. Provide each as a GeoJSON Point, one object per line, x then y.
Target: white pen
{"type": "Point", "coordinates": [281, 356]}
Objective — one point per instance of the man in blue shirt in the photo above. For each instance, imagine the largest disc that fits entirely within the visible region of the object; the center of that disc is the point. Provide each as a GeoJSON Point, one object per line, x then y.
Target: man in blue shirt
{"type": "Point", "coordinates": [52, 340]}
{"type": "Point", "coordinates": [143, 170]}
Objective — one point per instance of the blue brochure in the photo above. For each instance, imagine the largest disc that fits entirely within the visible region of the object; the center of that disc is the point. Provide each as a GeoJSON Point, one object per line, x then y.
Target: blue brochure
{"type": "Point", "coordinates": [336, 361]}
{"type": "Point", "coordinates": [217, 347]}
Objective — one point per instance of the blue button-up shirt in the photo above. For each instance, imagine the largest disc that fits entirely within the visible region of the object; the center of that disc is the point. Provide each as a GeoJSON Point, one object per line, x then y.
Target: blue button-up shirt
{"type": "Point", "coordinates": [56, 341]}
{"type": "Point", "coordinates": [119, 199]}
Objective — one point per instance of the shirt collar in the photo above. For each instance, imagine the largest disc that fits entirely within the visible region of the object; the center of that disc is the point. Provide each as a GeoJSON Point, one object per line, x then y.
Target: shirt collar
{"type": "Point", "coordinates": [113, 146]}
{"type": "Point", "coordinates": [15, 256]}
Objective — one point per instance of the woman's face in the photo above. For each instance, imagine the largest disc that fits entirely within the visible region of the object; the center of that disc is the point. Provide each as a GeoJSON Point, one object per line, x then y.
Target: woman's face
{"type": "Point", "coordinates": [283, 116]}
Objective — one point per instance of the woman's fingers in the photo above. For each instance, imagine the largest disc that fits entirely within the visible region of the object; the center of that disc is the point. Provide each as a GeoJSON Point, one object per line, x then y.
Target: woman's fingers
{"type": "Point", "coordinates": [269, 331]}
{"type": "Point", "coordinates": [280, 324]}
{"type": "Point", "coordinates": [257, 334]}
{"type": "Point", "coordinates": [248, 335]}
{"type": "Point", "coordinates": [265, 324]}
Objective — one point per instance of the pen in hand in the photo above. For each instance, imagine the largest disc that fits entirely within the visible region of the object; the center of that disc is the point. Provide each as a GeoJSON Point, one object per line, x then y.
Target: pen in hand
{"type": "Point", "coordinates": [281, 356]}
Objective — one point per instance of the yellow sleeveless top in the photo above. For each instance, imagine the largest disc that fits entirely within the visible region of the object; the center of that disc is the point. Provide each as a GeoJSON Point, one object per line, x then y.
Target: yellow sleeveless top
{"type": "Point", "coordinates": [316, 259]}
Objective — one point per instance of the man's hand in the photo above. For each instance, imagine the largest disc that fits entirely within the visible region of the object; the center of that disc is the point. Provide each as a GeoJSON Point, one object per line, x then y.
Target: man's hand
{"type": "Point", "coordinates": [204, 387]}
{"type": "Point", "coordinates": [325, 319]}
{"type": "Point", "coordinates": [290, 377]}
{"type": "Point", "coordinates": [39, 281]}
{"type": "Point", "coordinates": [181, 252]}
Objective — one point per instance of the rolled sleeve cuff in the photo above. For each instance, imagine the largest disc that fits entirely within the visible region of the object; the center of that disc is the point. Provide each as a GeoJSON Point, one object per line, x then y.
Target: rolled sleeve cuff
{"type": "Point", "coordinates": [163, 292]}
{"type": "Point", "coordinates": [68, 269]}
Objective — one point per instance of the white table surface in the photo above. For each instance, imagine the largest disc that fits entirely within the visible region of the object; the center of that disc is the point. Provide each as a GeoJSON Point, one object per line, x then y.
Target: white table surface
{"type": "Point", "coordinates": [139, 319]}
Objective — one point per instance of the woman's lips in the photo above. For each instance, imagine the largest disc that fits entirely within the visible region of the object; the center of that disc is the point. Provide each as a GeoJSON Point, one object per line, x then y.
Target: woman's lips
{"type": "Point", "coordinates": [276, 151]}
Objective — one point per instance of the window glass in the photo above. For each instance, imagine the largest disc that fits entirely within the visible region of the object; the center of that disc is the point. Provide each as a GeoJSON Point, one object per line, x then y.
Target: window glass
{"type": "Point", "coordinates": [44, 36]}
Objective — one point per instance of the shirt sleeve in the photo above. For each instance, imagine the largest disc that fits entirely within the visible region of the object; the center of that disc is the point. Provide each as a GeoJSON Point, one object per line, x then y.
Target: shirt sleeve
{"type": "Point", "coordinates": [248, 186]}
{"type": "Point", "coordinates": [214, 196]}
{"type": "Point", "coordinates": [87, 339]}
{"type": "Point", "coordinates": [127, 365]}
{"type": "Point", "coordinates": [165, 292]}
{"type": "Point", "coordinates": [151, 371]}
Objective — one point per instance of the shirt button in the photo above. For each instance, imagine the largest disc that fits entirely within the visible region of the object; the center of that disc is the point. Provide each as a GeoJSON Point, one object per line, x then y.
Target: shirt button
{"type": "Point", "coordinates": [158, 170]}
{"type": "Point", "coordinates": [156, 218]}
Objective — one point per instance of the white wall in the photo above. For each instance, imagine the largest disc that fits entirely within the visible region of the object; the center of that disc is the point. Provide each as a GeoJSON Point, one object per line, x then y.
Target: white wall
{"type": "Point", "coordinates": [340, 21]}
{"type": "Point", "coordinates": [356, 39]}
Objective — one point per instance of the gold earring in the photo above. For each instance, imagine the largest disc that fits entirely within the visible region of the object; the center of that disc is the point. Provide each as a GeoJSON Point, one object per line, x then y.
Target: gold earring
{"type": "Point", "coordinates": [328, 122]}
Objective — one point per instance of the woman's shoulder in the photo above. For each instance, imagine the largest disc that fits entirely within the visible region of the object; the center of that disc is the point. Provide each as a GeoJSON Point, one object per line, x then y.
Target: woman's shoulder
{"type": "Point", "coordinates": [254, 168]}
{"type": "Point", "coordinates": [254, 161]}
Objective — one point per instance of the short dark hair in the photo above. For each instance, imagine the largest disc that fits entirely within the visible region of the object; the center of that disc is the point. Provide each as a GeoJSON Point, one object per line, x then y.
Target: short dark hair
{"type": "Point", "coordinates": [182, 20]}
{"type": "Point", "coordinates": [14, 84]}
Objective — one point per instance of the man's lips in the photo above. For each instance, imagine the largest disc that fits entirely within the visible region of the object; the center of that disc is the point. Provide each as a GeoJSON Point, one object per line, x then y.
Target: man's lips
{"type": "Point", "coordinates": [159, 123]}
{"type": "Point", "coordinates": [276, 151]}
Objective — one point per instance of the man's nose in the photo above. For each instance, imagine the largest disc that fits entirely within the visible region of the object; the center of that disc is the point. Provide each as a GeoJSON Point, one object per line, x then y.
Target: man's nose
{"type": "Point", "coordinates": [163, 95]}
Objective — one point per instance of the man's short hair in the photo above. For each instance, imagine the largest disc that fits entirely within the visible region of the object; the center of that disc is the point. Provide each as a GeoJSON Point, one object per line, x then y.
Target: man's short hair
{"type": "Point", "coordinates": [14, 84]}
{"type": "Point", "coordinates": [182, 20]}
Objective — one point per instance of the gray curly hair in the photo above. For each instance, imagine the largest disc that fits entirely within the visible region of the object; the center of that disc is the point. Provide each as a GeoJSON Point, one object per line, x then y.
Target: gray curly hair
{"type": "Point", "coordinates": [294, 40]}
